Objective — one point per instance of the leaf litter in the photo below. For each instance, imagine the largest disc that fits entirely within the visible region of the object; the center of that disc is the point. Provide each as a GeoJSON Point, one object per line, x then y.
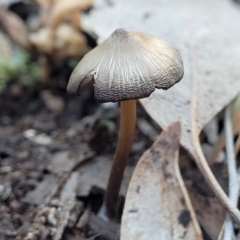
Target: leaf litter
{"type": "Point", "coordinates": [206, 88]}
{"type": "Point", "coordinates": [157, 182]}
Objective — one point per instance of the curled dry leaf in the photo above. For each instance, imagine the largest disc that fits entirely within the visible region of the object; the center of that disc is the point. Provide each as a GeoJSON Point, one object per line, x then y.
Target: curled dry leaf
{"type": "Point", "coordinates": [43, 40]}
{"type": "Point", "coordinates": [157, 204]}
{"type": "Point", "coordinates": [63, 9]}
{"type": "Point", "coordinates": [212, 70]}
{"type": "Point", "coordinates": [54, 13]}
{"type": "Point", "coordinates": [70, 40]}
{"type": "Point", "coordinates": [57, 29]}
{"type": "Point", "coordinates": [44, 13]}
{"type": "Point", "coordinates": [65, 41]}
{"type": "Point", "coordinates": [15, 27]}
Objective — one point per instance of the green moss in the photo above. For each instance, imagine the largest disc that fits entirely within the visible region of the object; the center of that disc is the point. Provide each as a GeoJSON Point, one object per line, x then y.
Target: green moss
{"type": "Point", "coordinates": [17, 65]}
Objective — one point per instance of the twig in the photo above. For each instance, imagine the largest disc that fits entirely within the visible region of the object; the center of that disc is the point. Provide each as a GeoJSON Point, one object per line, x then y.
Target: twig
{"type": "Point", "coordinates": [67, 197]}
{"type": "Point", "coordinates": [232, 172]}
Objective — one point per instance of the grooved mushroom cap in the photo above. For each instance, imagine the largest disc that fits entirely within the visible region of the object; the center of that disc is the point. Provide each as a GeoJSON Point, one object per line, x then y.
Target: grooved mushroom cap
{"type": "Point", "coordinates": [127, 65]}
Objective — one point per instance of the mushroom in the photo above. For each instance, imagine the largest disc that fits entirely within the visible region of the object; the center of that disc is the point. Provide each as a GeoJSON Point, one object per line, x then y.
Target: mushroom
{"type": "Point", "coordinates": [127, 66]}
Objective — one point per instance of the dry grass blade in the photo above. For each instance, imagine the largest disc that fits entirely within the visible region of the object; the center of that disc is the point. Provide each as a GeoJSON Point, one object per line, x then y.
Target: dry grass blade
{"type": "Point", "coordinates": [157, 204]}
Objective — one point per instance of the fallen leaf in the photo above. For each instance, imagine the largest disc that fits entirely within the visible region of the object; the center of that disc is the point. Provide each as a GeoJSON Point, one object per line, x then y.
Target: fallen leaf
{"type": "Point", "coordinates": [43, 192]}
{"type": "Point", "coordinates": [63, 41]}
{"type": "Point", "coordinates": [43, 40]}
{"type": "Point", "coordinates": [211, 55]}
{"type": "Point", "coordinates": [65, 162]}
{"type": "Point", "coordinates": [157, 205]}
{"type": "Point", "coordinates": [15, 27]}
{"type": "Point", "coordinates": [62, 9]}
{"type": "Point", "coordinates": [95, 173]}
{"type": "Point", "coordinates": [70, 41]}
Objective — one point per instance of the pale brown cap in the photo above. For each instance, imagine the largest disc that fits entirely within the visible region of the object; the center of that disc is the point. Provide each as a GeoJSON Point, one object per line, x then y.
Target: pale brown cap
{"type": "Point", "coordinates": [127, 65]}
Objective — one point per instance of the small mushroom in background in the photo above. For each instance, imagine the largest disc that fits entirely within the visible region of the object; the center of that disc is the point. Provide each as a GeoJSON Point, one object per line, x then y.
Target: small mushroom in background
{"type": "Point", "coordinates": [127, 66]}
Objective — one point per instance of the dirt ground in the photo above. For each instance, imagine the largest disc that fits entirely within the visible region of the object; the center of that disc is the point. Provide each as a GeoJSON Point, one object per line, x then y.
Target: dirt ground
{"type": "Point", "coordinates": [41, 147]}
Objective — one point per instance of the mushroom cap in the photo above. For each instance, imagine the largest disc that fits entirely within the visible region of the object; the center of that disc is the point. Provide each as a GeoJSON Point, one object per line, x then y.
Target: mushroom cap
{"type": "Point", "coordinates": [127, 65]}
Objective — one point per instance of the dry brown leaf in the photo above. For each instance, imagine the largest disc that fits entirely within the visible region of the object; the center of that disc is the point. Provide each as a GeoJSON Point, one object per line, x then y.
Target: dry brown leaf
{"type": "Point", "coordinates": [57, 30]}
{"type": "Point", "coordinates": [157, 204]}
{"type": "Point", "coordinates": [67, 9]}
{"type": "Point", "coordinates": [70, 41]}
{"type": "Point", "coordinates": [43, 40]}
{"type": "Point", "coordinates": [15, 27]}
{"type": "Point", "coordinates": [55, 12]}
{"type": "Point", "coordinates": [45, 7]}
{"type": "Point", "coordinates": [63, 162]}
{"type": "Point", "coordinates": [64, 41]}
{"type": "Point", "coordinates": [211, 56]}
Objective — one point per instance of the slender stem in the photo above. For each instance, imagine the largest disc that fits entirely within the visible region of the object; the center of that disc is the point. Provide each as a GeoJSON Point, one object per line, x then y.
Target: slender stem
{"type": "Point", "coordinates": [124, 144]}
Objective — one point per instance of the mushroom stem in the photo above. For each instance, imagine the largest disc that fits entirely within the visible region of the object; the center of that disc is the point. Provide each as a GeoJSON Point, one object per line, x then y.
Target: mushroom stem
{"type": "Point", "coordinates": [124, 144]}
